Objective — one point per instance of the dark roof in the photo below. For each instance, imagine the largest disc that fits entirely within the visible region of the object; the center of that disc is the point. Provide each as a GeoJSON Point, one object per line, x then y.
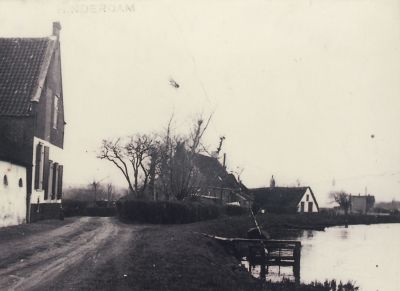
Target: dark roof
{"type": "Point", "coordinates": [279, 197]}
{"type": "Point", "coordinates": [214, 173]}
{"type": "Point", "coordinates": [22, 62]}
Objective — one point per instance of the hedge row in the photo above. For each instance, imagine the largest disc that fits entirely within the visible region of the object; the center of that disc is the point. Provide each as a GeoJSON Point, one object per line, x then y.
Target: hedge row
{"type": "Point", "coordinates": [171, 212]}
{"type": "Point", "coordinates": [233, 210]}
{"type": "Point", "coordinates": [83, 208]}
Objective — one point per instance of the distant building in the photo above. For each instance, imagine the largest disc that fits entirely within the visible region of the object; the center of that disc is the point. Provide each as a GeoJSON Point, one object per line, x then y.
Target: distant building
{"type": "Point", "coordinates": [285, 199]}
{"type": "Point", "coordinates": [214, 182]}
{"type": "Point", "coordinates": [31, 128]}
{"type": "Point", "coordinates": [361, 204]}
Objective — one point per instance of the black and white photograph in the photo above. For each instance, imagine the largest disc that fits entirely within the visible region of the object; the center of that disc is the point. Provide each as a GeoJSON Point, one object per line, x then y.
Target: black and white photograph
{"type": "Point", "coordinates": [200, 145]}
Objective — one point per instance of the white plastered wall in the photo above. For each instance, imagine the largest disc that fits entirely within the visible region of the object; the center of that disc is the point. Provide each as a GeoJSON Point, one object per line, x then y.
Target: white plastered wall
{"type": "Point", "coordinates": [310, 199]}
{"type": "Point", "coordinates": [56, 155]}
{"type": "Point", "coordinates": [12, 195]}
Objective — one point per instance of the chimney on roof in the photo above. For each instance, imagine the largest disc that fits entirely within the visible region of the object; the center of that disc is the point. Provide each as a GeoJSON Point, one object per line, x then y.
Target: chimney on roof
{"type": "Point", "coordinates": [56, 28]}
{"type": "Point", "coordinates": [224, 161]}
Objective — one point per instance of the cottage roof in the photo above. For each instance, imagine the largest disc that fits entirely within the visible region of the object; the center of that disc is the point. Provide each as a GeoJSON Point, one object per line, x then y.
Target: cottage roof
{"type": "Point", "coordinates": [215, 173]}
{"type": "Point", "coordinates": [280, 197]}
{"type": "Point", "coordinates": [23, 67]}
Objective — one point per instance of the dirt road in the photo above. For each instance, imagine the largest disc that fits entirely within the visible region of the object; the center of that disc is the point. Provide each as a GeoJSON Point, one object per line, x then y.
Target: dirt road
{"type": "Point", "coordinates": [97, 253]}
{"type": "Point", "coordinates": [67, 257]}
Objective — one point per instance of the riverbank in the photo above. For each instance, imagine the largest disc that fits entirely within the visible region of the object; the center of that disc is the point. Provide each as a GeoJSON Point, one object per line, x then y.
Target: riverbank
{"type": "Point", "coordinates": [142, 257]}
{"type": "Point", "coordinates": [276, 223]}
{"type": "Point", "coordinates": [178, 257]}
{"type": "Point", "coordinates": [319, 221]}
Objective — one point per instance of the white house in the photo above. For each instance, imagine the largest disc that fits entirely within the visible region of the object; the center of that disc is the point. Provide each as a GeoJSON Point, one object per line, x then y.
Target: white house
{"type": "Point", "coordinates": [286, 199]}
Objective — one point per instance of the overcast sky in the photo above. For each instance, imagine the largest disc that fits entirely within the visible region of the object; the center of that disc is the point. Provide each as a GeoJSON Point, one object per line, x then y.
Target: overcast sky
{"type": "Point", "coordinates": [297, 87]}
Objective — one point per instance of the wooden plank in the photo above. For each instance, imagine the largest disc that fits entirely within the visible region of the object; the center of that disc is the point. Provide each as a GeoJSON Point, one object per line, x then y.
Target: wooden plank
{"type": "Point", "coordinates": [281, 263]}
{"type": "Point", "coordinates": [270, 241]}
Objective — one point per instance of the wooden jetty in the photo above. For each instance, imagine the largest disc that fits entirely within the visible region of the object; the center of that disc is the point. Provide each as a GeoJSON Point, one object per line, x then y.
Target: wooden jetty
{"type": "Point", "coordinates": [266, 252]}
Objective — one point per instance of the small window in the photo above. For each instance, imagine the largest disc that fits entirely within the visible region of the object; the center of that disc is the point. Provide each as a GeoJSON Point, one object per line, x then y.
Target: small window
{"type": "Point", "coordinates": [55, 112]}
{"type": "Point", "coordinates": [5, 180]}
{"type": "Point", "coordinates": [20, 183]}
{"type": "Point", "coordinates": [307, 197]}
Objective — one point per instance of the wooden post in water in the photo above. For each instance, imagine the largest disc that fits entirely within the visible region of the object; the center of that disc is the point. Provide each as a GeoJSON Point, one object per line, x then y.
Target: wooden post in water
{"type": "Point", "coordinates": [262, 265]}
{"type": "Point", "coordinates": [296, 266]}
{"type": "Point", "coordinates": [262, 245]}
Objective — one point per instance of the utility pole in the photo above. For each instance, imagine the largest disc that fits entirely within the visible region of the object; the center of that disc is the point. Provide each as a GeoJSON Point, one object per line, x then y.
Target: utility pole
{"type": "Point", "coordinates": [221, 140]}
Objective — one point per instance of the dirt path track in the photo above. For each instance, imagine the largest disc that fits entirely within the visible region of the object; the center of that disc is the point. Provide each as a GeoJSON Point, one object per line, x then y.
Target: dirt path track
{"type": "Point", "coordinates": [65, 257]}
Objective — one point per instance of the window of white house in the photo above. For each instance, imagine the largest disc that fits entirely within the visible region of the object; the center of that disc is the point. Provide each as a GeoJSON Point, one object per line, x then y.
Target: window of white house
{"type": "Point", "coordinates": [41, 152]}
{"type": "Point", "coordinates": [55, 112]}
{"type": "Point", "coordinates": [307, 197]}
{"type": "Point", "coordinates": [20, 182]}
{"type": "Point", "coordinates": [38, 161]}
{"type": "Point", "coordinates": [5, 180]}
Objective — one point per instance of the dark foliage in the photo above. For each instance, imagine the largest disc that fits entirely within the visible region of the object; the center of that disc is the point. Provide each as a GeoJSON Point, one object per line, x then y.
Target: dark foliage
{"type": "Point", "coordinates": [233, 210]}
{"type": "Point", "coordinates": [84, 208]}
{"type": "Point", "coordinates": [46, 211]}
{"type": "Point", "coordinates": [165, 212]}
{"type": "Point", "coordinates": [313, 286]}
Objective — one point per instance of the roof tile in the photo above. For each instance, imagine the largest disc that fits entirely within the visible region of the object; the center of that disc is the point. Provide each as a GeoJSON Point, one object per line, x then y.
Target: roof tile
{"type": "Point", "coordinates": [215, 174]}
{"type": "Point", "coordinates": [20, 63]}
{"type": "Point", "coordinates": [282, 197]}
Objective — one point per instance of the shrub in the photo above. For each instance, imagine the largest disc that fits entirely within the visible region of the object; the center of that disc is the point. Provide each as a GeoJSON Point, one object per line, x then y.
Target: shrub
{"type": "Point", "coordinates": [332, 285]}
{"type": "Point", "coordinates": [165, 212]}
{"type": "Point", "coordinates": [74, 207]}
{"type": "Point", "coordinates": [233, 210]}
{"type": "Point", "coordinates": [82, 208]}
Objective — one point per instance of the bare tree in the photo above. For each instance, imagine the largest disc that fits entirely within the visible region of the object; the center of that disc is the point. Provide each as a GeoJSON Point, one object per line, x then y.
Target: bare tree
{"type": "Point", "coordinates": [184, 174]}
{"type": "Point", "coordinates": [110, 190]}
{"type": "Point", "coordinates": [176, 171]}
{"type": "Point", "coordinates": [198, 129]}
{"type": "Point", "coordinates": [343, 199]}
{"type": "Point", "coordinates": [133, 158]}
{"type": "Point", "coordinates": [95, 185]}
{"type": "Point", "coordinates": [162, 168]}
{"type": "Point", "coordinates": [163, 163]}
{"type": "Point", "coordinates": [238, 172]}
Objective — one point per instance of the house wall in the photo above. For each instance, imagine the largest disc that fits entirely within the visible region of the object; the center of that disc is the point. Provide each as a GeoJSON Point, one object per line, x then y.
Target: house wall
{"type": "Point", "coordinates": [50, 135]}
{"type": "Point", "coordinates": [358, 204]}
{"type": "Point", "coordinates": [224, 196]}
{"type": "Point", "coordinates": [243, 201]}
{"type": "Point", "coordinates": [306, 202]}
{"type": "Point", "coordinates": [55, 155]}
{"type": "Point", "coordinates": [16, 138]}
{"type": "Point", "coordinates": [45, 110]}
{"type": "Point", "coordinates": [40, 206]}
{"type": "Point", "coordinates": [12, 195]}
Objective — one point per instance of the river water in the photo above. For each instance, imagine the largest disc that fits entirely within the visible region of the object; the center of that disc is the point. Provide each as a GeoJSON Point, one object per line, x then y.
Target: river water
{"type": "Point", "coordinates": [368, 255]}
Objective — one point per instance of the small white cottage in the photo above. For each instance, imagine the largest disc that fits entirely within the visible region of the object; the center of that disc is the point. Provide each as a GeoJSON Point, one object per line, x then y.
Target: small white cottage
{"type": "Point", "coordinates": [286, 199]}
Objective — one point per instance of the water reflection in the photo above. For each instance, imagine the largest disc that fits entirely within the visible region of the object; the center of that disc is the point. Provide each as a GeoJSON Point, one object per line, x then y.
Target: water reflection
{"type": "Point", "coordinates": [366, 254]}
{"type": "Point", "coordinates": [309, 233]}
{"type": "Point", "coordinates": [344, 233]}
{"type": "Point", "coordinates": [274, 260]}
{"type": "Point", "coordinates": [274, 274]}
